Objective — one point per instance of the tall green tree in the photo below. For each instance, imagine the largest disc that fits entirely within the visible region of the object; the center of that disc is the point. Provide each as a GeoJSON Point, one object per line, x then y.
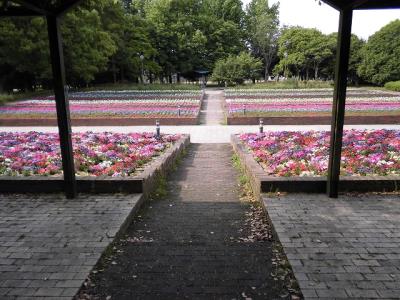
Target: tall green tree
{"type": "Point", "coordinates": [24, 50]}
{"type": "Point", "coordinates": [262, 25]}
{"type": "Point", "coordinates": [380, 56]}
{"type": "Point", "coordinates": [24, 53]}
{"type": "Point", "coordinates": [226, 10]}
{"type": "Point", "coordinates": [87, 46]}
{"type": "Point", "coordinates": [303, 50]}
{"type": "Point", "coordinates": [236, 69]}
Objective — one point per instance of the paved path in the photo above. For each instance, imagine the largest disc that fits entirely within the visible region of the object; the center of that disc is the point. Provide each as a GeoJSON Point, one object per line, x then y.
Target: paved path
{"type": "Point", "coordinates": [211, 119]}
{"type": "Point", "coordinates": [186, 245]}
{"type": "Point", "coordinates": [341, 248]}
{"type": "Point", "coordinates": [212, 109]}
{"type": "Point", "coordinates": [48, 244]}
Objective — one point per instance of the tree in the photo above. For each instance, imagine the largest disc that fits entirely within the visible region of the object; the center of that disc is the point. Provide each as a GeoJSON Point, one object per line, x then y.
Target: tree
{"type": "Point", "coordinates": [236, 69]}
{"type": "Point", "coordinates": [24, 53]}
{"type": "Point", "coordinates": [226, 10]}
{"type": "Point", "coordinates": [87, 46]}
{"type": "Point", "coordinates": [302, 50]}
{"type": "Point", "coordinates": [380, 56]}
{"type": "Point", "coordinates": [24, 49]}
{"type": "Point", "coordinates": [262, 24]}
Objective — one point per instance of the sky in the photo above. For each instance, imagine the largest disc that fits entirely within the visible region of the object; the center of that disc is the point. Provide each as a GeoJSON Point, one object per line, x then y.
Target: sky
{"type": "Point", "coordinates": [307, 13]}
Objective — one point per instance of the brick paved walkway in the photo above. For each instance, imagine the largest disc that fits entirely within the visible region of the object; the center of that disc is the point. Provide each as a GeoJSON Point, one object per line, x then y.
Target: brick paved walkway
{"type": "Point", "coordinates": [186, 246]}
{"type": "Point", "coordinates": [212, 110]}
{"type": "Point", "coordinates": [48, 244]}
{"type": "Point", "coordinates": [341, 248]}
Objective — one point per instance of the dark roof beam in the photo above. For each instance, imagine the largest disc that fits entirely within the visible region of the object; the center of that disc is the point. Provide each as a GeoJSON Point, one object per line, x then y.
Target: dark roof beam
{"type": "Point", "coordinates": [29, 5]}
{"type": "Point", "coordinates": [356, 4]}
{"type": "Point", "coordinates": [394, 4]}
{"type": "Point", "coordinates": [18, 11]}
{"type": "Point", "coordinates": [65, 7]}
{"type": "Point", "coordinates": [335, 4]}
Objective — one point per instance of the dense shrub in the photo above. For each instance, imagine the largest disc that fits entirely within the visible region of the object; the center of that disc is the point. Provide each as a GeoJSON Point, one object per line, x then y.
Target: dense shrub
{"type": "Point", "coordinates": [393, 86]}
{"type": "Point", "coordinates": [236, 69]}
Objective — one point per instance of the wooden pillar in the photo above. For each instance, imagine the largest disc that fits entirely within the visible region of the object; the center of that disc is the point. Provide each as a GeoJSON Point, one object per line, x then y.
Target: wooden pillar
{"type": "Point", "coordinates": [62, 105]}
{"type": "Point", "coordinates": [339, 101]}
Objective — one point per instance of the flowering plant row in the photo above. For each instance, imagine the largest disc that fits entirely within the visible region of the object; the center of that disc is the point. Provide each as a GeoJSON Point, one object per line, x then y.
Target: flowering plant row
{"type": "Point", "coordinates": [325, 91]}
{"type": "Point", "coordinates": [289, 153]}
{"type": "Point", "coordinates": [111, 104]}
{"type": "Point", "coordinates": [298, 102]}
{"type": "Point", "coordinates": [95, 154]}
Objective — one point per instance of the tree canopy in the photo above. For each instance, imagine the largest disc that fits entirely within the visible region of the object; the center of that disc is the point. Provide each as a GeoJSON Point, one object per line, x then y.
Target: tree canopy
{"type": "Point", "coordinates": [380, 57]}
{"type": "Point", "coordinates": [136, 40]}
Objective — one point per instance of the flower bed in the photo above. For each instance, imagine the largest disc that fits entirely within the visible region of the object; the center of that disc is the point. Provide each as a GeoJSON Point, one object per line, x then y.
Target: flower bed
{"type": "Point", "coordinates": [95, 154]}
{"type": "Point", "coordinates": [111, 105]}
{"type": "Point", "coordinates": [288, 154]}
{"type": "Point", "coordinates": [309, 103]}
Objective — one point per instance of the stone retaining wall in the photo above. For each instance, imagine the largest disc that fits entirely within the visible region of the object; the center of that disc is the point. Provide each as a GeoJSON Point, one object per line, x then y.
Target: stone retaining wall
{"type": "Point", "coordinates": [144, 183]}
{"type": "Point", "coordinates": [262, 183]}
{"type": "Point", "coordinates": [315, 120]}
{"type": "Point", "coordinates": [102, 121]}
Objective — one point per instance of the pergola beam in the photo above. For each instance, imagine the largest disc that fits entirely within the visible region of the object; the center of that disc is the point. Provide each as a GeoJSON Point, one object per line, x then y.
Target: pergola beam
{"type": "Point", "coordinates": [363, 4]}
{"type": "Point", "coordinates": [16, 11]}
{"type": "Point", "coordinates": [339, 101]}
{"type": "Point", "coordinates": [33, 7]}
{"type": "Point", "coordinates": [379, 5]}
{"type": "Point", "coordinates": [62, 105]}
{"type": "Point", "coordinates": [65, 7]}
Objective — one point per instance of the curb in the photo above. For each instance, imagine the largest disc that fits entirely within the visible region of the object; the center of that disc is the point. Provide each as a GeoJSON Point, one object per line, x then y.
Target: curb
{"type": "Point", "coordinates": [143, 183]}
{"type": "Point", "coordinates": [262, 183]}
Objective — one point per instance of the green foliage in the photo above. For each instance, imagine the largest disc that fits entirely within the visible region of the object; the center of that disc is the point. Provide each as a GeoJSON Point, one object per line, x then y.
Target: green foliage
{"type": "Point", "coordinates": [4, 98]}
{"type": "Point", "coordinates": [236, 69]}
{"type": "Point", "coordinates": [154, 86]}
{"type": "Point", "coordinates": [393, 86]}
{"type": "Point", "coordinates": [87, 46]}
{"type": "Point", "coordinates": [380, 56]}
{"type": "Point", "coordinates": [302, 50]}
{"type": "Point", "coordinates": [262, 25]}
{"type": "Point", "coordinates": [130, 41]}
{"type": "Point", "coordinates": [289, 84]}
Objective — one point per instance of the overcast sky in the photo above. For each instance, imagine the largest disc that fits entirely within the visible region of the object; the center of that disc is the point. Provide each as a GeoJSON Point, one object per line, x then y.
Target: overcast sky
{"type": "Point", "coordinates": [308, 13]}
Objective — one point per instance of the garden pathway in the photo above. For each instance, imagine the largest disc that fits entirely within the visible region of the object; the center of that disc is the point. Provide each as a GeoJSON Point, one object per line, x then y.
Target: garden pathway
{"type": "Point", "coordinates": [212, 109]}
{"type": "Point", "coordinates": [186, 245]}
{"type": "Point", "coordinates": [49, 244]}
{"type": "Point", "coordinates": [346, 248]}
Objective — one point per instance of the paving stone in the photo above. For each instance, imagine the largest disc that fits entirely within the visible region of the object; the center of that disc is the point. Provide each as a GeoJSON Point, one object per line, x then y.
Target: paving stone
{"type": "Point", "coordinates": [188, 243]}
{"type": "Point", "coordinates": [45, 238]}
{"type": "Point", "coordinates": [362, 240]}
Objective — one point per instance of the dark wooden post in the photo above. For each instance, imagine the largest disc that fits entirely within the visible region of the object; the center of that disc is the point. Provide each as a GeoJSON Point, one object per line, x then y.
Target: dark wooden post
{"type": "Point", "coordinates": [63, 117]}
{"type": "Point", "coordinates": [339, 101]}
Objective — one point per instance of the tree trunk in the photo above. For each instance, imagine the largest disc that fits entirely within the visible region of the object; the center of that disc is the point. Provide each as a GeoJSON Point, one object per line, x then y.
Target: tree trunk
{"type": "Point", "coordinates": [316, 72]}
{"type": "Point", "coordinates": [178, 78]}
{"type": "Point", "coordinates": [170, 79]}
{"type": "Point", "coordinates": [114, 71]}
{"type": "Point", "coordinates": [122, 74]}
{"type": "Point", "coordinates": [267, 65]}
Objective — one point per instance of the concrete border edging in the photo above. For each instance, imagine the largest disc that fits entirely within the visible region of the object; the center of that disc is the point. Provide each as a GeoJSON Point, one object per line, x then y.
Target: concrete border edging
{"type": "Point", "coordinates": [142, 183]}
{"type": "Point", "coordinates": [262, 183]}
{"type": "Point", "coordinates": [312, 120]}
{"type": "Point", "coordinates": [118, 121]}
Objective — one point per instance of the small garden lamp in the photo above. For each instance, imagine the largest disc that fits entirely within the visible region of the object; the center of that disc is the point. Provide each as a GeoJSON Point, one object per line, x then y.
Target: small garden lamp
{"type": "Point", "coordinates": [179, 110]}
{"type": "Point", "coordinates": [157, 129]}
{"type": "Point", "coordinates": [261, 126]}
{"type": "Point", "coordinates": [244, 109]}
{"type": "Point", "coordinates": [142, 71]}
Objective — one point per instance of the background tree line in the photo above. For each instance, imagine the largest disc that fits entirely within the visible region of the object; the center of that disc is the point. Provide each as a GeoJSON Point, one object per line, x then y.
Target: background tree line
{"type": "Point", "coordinates": [129, 40]}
